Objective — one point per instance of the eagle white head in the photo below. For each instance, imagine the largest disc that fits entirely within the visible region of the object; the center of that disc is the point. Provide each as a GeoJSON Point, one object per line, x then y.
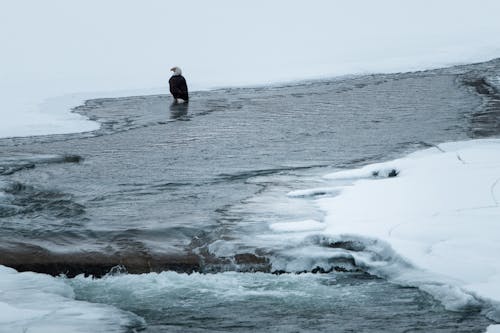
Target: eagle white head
{"type": "Point", "coordinates": [176, 70]}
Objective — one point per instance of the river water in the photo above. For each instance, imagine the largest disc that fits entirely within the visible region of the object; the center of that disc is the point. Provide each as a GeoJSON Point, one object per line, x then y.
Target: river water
{"type": "Point", "coordinates": [164, 190]}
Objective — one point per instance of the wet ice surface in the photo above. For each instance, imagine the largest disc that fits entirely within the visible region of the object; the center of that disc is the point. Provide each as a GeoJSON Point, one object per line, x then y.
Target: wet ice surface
{"type": "Point", "coordinates": [207, 187]}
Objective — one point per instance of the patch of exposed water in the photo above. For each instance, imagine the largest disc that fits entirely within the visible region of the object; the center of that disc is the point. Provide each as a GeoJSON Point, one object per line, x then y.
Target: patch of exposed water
{"type": "Point", "coordinates": [204, 188]}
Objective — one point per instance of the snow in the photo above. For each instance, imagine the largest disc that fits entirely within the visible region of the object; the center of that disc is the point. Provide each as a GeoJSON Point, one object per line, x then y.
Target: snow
{"type": "Point", "coordinates": [435, 225]}
{"type": "Point", "coordinates": [306, 225]}
{"type": "Point", "coordinates": [59, 53]}
{"type": "Point", "coordinates": [38, 303]}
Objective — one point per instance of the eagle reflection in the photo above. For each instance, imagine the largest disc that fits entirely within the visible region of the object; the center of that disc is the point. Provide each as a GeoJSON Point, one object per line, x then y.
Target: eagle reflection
{"type": "Point", "coordinates": [178, 110]}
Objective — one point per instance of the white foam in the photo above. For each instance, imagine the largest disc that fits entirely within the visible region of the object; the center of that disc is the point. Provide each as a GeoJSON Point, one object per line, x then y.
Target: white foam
{"type": "Point", "coordinates": [178, 293]}
{"type": "Point", "coordinates": [31, 302]}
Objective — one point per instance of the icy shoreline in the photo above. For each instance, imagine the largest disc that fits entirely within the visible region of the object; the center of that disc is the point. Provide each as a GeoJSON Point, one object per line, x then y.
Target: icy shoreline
{"type": "Point", "coordinates": [52, 114]}
{"type": "Point", "coordinates": [430, 219]}
{"type": "Point", "coordinates": [33, 302]}
{"type": "Point", "coordinates": [68, 54]}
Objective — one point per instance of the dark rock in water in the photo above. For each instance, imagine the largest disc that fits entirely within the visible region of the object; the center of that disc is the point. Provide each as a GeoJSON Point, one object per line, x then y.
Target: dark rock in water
{"type": "Point", "coordinates": [117, 270]}
{"type": "Point", "coordinates": [321, 270]}
{"type": "Point", "coordinates": [93, 263]}
{"type": "Point", "coordinates": [241, 262]}
{"type": "Point", "coordinates": [249, 262]}
{"type": "Point", "coordinates": [9, 169]}
{"type": "Point", "coordinates": [14, 162]}
{"type": "Point", "coordinates": [340, 269]}
{"type": "Point", "coordinates": [481, 85]}
{"type": "Point", "coordinates": [347, 245]}
{"type": "Point", "coordinates": [72, 159]}
{"type": "Point", "coordinates": [392, 173]}
{"type": "Point", "coordinates": [250, 258]}
{"type": "Point", "coordinates": [279, 272]}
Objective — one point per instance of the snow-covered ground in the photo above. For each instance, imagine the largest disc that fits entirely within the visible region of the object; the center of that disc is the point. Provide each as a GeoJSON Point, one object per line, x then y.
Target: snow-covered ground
{"type": "Point", "coordinates": [39, 303]}
{"type": "Point", "coordinates": [57, 53]}
{"type": "Point", "coordinates": [435, 225]}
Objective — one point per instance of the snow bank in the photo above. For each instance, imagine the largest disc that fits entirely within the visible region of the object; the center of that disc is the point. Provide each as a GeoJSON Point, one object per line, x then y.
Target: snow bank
{"type": "Point", "coordinates": [307, 225]}
{"type": "Point", "coordinates": [440, 215]}
{"type": "Point", "coordinates": [84, 49]}
{"type": "Point", "coordinates": [39, 303]}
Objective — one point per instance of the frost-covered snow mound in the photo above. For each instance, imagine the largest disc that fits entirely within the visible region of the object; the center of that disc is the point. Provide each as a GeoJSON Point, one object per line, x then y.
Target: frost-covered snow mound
{"type": "Point", "coordinates": [438, 209]}
{"type": "Point", "coordinates": [31, 302]}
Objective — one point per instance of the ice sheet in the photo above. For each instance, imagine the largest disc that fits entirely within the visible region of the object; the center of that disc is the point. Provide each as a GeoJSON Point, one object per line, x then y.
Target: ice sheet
{"type": "Point", "coordinates": [440, 216]}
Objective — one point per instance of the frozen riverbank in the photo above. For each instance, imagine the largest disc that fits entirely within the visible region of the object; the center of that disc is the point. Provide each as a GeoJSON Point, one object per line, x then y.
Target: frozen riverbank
{"type": "Point", "coordinates": [435, 216]}
{"type": "Point", "coordinates": [38, 303]}
{"type": "Point", "coordinates": [58, 56]}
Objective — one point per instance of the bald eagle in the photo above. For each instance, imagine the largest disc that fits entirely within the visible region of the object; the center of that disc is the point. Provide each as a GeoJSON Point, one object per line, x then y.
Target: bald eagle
{"type": "Point", "coordinates": [178, 85]}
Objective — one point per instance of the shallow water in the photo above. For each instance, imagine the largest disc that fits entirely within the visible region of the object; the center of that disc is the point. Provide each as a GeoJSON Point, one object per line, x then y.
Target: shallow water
{"type": "Point", "coordinates": [196, 188]}
{"type": "Point", "coordinates": [259, 302]}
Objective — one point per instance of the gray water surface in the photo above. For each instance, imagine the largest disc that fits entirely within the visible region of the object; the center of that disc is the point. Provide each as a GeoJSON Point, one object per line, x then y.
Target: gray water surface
{"type": "Point", "coordinates": [159, 184]}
